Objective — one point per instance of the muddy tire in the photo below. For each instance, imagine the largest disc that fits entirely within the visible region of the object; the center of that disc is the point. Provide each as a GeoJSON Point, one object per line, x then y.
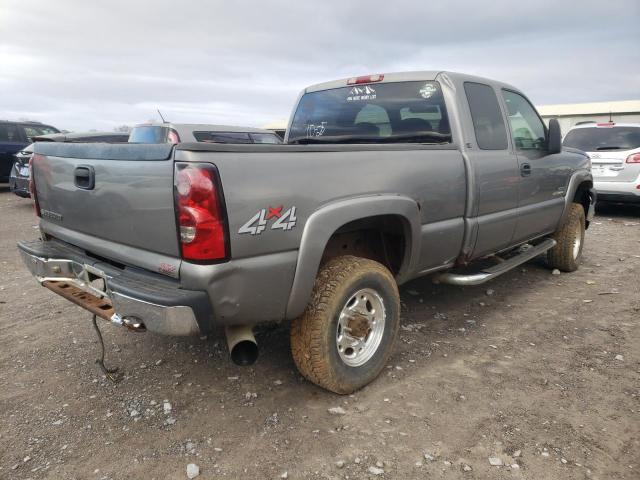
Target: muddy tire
{"type": "Point", "coordinates": [346, 334]}
{"type": "Point", "coordinates": [567, 254]}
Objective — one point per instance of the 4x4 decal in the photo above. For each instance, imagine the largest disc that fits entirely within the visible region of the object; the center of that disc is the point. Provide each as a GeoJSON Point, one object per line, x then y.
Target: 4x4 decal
{"type": "Point", "coordinates": [258, 223]}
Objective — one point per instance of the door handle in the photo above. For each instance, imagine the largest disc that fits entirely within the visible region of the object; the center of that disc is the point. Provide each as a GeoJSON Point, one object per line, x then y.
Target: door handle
{"type": "Point", "coordinates": [525, 169]}
{"type": "Point", "coordinates": [84, 177]}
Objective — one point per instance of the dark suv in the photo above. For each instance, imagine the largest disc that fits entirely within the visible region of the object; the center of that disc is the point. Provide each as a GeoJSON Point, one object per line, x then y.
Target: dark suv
{"type": "Point", "coordinates": [14, 136]}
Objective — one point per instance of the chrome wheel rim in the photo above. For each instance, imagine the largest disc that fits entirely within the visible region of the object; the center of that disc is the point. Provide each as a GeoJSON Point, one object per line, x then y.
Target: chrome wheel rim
{"type": "Point", "coordinates": [577, 242]}
{"type": "Point", "coordinates": [360, 327]}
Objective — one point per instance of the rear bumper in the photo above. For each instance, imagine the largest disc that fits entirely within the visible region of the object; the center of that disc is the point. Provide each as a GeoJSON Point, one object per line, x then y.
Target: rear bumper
{"type": "Point", "coordinates": [618, 191]}
{"type": "Point", "coordinates": [19, 186]}
{"type": "Point", "coordinates": [132, 295]}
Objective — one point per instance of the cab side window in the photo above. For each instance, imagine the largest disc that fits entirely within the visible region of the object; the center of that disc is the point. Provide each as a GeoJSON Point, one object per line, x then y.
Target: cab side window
{"type": "Point", "coordinates": [9, 133]}
{"type": "Point", "coordinates": [527, 129]}
{"type": "Point", "coordinates": [488, 123]}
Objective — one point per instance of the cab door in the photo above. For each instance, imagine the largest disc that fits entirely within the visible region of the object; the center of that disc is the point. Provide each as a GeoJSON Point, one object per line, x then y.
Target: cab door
{"type": "Point", "coordinates": [495, 171]}
{"type": "Point", "coordinates": [543, 176]}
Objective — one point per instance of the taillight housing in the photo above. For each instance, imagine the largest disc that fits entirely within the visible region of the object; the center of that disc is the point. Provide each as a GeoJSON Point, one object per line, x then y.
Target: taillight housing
{"type": "Point", "coordinates": [32, 185]}
{"type": "Point", "coordinates": [173, 137]}
{"type": "Point", "coordinates": [200, 213]}
{"type": "Point", "coordinates": [633, 158]}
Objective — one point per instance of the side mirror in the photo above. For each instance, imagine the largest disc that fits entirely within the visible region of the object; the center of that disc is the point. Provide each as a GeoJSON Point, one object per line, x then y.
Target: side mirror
{"type": "Point", "coordinates": [555, 137]}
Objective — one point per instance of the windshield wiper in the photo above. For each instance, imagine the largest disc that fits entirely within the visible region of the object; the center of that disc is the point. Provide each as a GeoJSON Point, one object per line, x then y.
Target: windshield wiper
{"type": "Point", "coordinates": [611, 148]}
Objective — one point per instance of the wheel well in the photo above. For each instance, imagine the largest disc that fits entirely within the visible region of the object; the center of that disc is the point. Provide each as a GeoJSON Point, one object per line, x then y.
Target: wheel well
{"type": "Point", "coordinates": [382, 238]}
{"type": "Point", "coordinates": [582, 196]}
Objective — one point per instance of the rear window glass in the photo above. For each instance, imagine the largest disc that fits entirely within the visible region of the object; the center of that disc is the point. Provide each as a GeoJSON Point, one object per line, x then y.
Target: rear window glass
{"type": "Point", "coordinates": [9, 133]}
{"type": "Point", "coordinates": [373, 113]}
{"type": "Point", "coordinates": [148, 134]}
{"type": "Point", "coordinates": [603, 138]}
{"type": "Point", "coordinates": [101, 139]}
{"type": "Point", "coordinates": [35, 130]}
{"type": "Point", "coordinates": [222, 137]}
{"type": "Point", "coordinates": [265, 138]}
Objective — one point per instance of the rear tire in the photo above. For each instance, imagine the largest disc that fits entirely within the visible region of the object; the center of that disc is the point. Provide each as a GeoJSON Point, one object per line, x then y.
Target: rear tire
{"type": "Point", "coordinates": [346, 334]}
{"type": "Point", "coordinates": [567, 253]}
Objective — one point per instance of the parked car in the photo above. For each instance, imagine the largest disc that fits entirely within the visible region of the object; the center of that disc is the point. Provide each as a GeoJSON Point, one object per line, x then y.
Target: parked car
{"type": "Point", "coordinates": [188, 132]}
{"type": "Point", "coordinates": [19, 177]}
{"type": "Point", "coordinates": [14, 136]}
{"type": "Point", "coordinates": [614, 149]}
{"type": "Point", "coordinates": [385, 178]}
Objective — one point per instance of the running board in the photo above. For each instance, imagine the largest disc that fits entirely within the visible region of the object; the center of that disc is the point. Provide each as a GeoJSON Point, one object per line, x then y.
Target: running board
{"type": "Point", "coordinates": [492, 272]}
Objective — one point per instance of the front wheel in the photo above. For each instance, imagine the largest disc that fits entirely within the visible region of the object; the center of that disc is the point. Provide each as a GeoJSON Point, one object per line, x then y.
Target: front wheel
{"type": "Point", "coordinates": [567, 253]}
{"type": "Point", "coordinates": [346, 334]}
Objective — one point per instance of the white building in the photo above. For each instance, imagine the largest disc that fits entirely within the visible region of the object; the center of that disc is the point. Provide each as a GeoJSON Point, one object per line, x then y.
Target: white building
{"type": "Point", "coordinates": [570, 114]}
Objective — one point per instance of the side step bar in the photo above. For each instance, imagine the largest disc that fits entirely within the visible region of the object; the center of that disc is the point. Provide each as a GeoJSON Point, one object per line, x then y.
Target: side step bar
{"type": "Point", "coordinates": [492, 272]}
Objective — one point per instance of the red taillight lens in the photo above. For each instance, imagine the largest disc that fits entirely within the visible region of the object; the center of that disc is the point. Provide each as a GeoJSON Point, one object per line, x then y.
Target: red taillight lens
{"type": "Point", "coordinates": [32, 185]}
{"type": "Point", "coordinates": [173, 137]}
{"type": "Point", "coordinates": [200, 213]}
{"type": "Point", "coordinates": [365, 79]}
{"type": "Point", "coordinates": [633, 158]}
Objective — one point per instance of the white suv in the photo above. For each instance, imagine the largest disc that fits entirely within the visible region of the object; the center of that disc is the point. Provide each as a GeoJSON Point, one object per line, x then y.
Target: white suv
{"type": "Point", "coordinates": [614, 149]}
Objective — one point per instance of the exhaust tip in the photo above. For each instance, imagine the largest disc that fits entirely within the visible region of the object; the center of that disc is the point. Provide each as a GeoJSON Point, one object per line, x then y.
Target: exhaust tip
{"type": "Point", "coordinates": [243, 347]}
{"type": "Point", "coordinates": [244, 353]}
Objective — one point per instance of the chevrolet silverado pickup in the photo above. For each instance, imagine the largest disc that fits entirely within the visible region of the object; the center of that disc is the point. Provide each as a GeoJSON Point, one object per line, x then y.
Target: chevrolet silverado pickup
{"type": "Point", "coordinates": [382, 179]}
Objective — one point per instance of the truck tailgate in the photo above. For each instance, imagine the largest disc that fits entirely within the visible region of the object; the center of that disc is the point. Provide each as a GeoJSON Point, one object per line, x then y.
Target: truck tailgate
{"type": "Point", "coordinates": [119, 193]}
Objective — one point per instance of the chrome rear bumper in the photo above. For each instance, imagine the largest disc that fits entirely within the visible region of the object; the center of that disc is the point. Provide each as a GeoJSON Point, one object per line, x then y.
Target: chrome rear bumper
{"type": "Point", "coordinates": [127, 309]}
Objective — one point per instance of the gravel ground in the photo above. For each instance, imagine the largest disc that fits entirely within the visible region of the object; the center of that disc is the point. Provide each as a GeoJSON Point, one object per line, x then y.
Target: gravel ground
{"type": "Point", "coordinates": [531, 376]}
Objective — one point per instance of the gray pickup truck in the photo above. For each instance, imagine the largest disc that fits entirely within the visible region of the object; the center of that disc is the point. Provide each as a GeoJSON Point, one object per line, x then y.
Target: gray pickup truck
{"type": "Point", "coordinates": [382, 179]}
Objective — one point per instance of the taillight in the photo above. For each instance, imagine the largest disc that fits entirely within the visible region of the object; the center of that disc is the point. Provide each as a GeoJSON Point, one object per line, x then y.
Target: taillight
{"type": "Point", "coordinates": [633, 158]}
{"type": "Point", "coordinates": [365, 79]}
{"type": "Point", "coordinates": [173, 137]}
{"type": "Point", "coordinates": [200, 212]}
{"type": "Point", "coordinates": [32, 185]}
{"type": "Point", "coordinates": [605, 125]}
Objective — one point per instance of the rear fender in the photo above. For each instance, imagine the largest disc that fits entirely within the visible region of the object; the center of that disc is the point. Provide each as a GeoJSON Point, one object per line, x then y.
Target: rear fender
{"type": "Point", "coordinates": [322, 224]}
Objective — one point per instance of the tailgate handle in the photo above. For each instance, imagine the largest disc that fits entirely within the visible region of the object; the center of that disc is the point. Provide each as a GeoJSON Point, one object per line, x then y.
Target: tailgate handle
{"type": "Point", "coordinates": [84, 177]}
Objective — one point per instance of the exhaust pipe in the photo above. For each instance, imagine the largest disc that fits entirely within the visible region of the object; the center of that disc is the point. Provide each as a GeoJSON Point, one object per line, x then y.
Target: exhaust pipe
{"type": "Point", "coordinates": [243, 347]}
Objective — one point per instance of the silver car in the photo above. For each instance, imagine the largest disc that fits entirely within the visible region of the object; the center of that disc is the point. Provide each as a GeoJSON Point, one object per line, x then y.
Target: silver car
{"type": "Point", "coordinates": [614, 149]}
{"type": "Point", "coordinates": [197, 132]}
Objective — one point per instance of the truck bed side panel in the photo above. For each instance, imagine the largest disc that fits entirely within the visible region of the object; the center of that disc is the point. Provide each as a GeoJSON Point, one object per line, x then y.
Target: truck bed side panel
{"type": "Point", "coordinates": [255, 180]}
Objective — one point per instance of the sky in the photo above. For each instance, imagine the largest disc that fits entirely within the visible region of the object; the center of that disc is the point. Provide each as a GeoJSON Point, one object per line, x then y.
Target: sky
{"type": "Point", "coordinates": [81, 65]}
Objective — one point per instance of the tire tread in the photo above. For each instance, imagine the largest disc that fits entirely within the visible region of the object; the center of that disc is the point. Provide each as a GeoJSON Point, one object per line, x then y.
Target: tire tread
{"type": "Point", "coordinates": [307, 331]}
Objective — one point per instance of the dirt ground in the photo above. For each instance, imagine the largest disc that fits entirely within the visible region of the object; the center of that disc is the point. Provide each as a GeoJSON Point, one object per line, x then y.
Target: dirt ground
{"type": "Point", "coordinates": [540, 371]}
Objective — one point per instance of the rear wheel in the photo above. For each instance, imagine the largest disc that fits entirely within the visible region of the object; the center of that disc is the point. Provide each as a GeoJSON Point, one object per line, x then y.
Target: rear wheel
{"type": "Point", "coordinates": [346, 334]}
{"type": "Point", "coordinates": [567, 253]}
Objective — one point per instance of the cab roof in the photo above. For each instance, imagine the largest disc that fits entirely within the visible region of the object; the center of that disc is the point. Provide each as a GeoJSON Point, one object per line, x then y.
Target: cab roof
{"type": "Point", "coordinates": [416, 76]}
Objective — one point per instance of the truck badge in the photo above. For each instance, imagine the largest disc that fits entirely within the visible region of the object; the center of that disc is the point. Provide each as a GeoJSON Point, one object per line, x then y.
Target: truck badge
{"type": "Point", "coordinates": [258, 223]}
